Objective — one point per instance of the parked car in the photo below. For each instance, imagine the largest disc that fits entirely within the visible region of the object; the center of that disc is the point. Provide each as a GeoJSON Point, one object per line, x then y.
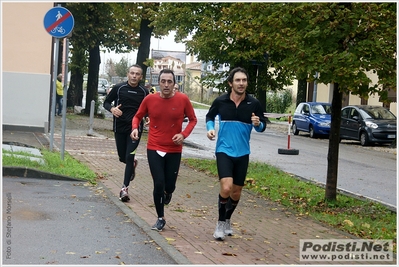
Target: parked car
{"type": "Point", "coordinates": [368, 124]}
{"type": "Point", "coordinates": [110, 88]}
{"type": "Point", "coordinates": [103, 86]}
{"type": "Point", "coordinates": [312, 117]}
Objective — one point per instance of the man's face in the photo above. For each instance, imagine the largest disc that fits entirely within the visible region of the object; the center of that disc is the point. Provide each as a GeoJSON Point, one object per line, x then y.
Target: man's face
{"type": "Point", "coordinates": [166, 84]}
{"type": "Point", "coordinates": [134, 76]}
{"type": "Point", "coordinates": [239, 84]}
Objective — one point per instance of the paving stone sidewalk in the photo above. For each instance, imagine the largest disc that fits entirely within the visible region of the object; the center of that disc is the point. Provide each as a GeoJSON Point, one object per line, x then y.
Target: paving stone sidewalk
{"type": "Point", "coordinates": [264, 232]}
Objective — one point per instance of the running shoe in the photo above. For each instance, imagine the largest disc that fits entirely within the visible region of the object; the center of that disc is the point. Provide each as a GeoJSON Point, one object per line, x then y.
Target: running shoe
{"type": "Point", "coordinates": [168, 198]}
{"type": "Point", "coordinates": [159, 225]}
{"type": "Point", "coordinates": [134, 170]}
{"type": "Point", "coordinates": [124, 195]}
{"type": "Point", "coordinates": [227, 228]}
{"type": "Point", "coordinates": [219, 230]}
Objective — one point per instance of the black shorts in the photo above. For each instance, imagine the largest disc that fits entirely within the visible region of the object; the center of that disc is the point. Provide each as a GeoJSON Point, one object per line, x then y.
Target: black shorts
{"type": "Point", "coordinates": [232, 167]}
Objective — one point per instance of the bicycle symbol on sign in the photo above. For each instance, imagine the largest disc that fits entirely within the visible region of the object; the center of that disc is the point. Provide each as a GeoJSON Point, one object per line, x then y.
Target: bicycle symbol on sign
{"type": "Point", "coordinates": [58, 29]}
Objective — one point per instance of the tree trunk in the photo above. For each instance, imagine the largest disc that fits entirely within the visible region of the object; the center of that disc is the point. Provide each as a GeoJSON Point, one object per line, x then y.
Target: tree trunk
{"type": "Point", "coordinates": [92, 79]}
{"type": "Point", "coordinates": [301, 93]}
{"type": "Point", "coordinates": [261, 85]}
{"type": "Point", "coordinates": [143, 52]}
{"type": "Point", "coordinates": [60, 54]}
{"type": "Point", "coordinates": [333, 145]}
{"type": "Point", "coordinates": [75, 90]}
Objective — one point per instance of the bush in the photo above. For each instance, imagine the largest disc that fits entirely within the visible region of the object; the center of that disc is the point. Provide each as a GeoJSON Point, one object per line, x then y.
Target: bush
{"type": "Point", "coordinates": [278, 102]}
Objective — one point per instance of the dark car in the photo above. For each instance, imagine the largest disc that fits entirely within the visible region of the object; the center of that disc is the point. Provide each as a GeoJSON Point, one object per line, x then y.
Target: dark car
{"type": "Point", "coordinates": [368, 124]}
{"type": "Point", "coordinates": [312, 117]}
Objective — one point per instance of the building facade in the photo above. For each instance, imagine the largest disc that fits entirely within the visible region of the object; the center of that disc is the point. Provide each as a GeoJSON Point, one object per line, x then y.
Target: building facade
{"type": "Point", "coordinates": [324, 93]}
{"type": "Point", "coordinates": [26, 66]}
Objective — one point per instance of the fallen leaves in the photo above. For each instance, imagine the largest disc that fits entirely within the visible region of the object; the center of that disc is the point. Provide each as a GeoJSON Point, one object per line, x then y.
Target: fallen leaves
{"type": "Point", "coordinates": [348, 222]}
{"type": "Point", "coordinates": [249, 181]}
{"type": "Point", "coordinates": [366, 225]}
{"type": "Point", "coordinates": [170, 239]}
{"type": "Point", "coordinates": [229, 254]}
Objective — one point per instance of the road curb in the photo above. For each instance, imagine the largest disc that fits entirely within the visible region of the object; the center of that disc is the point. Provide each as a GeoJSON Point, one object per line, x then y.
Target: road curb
{"type": "Point", "coordinates": [32, 173]}
{"type": "Point", "coordinates": [159, 239]}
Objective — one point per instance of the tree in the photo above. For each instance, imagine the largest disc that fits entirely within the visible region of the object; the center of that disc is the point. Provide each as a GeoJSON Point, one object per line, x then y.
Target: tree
{"type": "Point", "coordinates": [110, 69]}
{"type": "Point", "coordinates": [340, 41]}
{"type": "Point", "coordinates": [78, 68]}
{"type": "Point", "coordinates": [121, 67]}
{"type": "Point", "coordinates": [207, 33]}
{"type": "Point", "coordinates": [96, 24]}
{"type": "Point", "coordinates": [139, 18]}
{"type": "Point", "coordinates": [119, 27]}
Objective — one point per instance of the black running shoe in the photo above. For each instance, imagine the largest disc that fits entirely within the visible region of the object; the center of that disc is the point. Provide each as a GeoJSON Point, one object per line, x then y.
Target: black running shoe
{"type": "Point", "coordinates": [134, 170]}
{"type": "Point", "coordinates": [159, 225]}
{"type": "Point", "coordinates": [168, 198]}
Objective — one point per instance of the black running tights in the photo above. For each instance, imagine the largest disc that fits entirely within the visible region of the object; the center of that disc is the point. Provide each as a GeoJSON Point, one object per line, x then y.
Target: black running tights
{"type": "Point", "coordinates": [164, 171]}
{"type": "Point", "coordinates": [126, 148]}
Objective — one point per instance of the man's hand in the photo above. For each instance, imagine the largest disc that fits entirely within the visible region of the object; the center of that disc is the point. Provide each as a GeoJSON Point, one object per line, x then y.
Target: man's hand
{"type": "Point", "coordinates": [255, 120]}
{"type": "Point", "coordinates": [147, 122]}
{"type": "Point", "coordinates": [178, 139]}
{"type": "Point", "coordinates": [116, 111]}
{"type": "Point", "coordinates": [134, 134]}
{"type": "Point", "coordinates": [211, 134]}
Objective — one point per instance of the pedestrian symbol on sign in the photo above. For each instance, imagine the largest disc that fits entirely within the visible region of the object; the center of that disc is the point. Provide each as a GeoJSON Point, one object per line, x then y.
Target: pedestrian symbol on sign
{"type": "Point", "coordinates": [59, 15]}
{"type": "Point", "coordinates": [58, 22]}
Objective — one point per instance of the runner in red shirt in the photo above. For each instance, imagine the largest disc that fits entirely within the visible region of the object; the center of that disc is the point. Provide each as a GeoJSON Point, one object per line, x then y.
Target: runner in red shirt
{"type": "Point", "coordinates": [166, 111]}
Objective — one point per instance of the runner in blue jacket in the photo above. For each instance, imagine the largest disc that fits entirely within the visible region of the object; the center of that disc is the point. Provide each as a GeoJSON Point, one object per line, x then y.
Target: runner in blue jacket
{"type": "Point", "coordinates": [238, 113]}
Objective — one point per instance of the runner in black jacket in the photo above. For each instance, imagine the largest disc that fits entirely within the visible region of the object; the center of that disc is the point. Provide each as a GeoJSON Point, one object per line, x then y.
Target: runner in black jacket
{"type": "Point", "coordinates": [126, 98]}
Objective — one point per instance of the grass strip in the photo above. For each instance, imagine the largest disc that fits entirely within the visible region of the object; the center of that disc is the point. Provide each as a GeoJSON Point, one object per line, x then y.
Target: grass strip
{"type": "Point", "coordinates": [362, 218]}
{"type": "Point", "coordinates": [52, 163]}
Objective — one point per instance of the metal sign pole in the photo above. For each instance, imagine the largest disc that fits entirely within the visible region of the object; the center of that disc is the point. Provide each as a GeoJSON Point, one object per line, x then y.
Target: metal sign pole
{"type": "Point", "coordinates": [53, 98]}
{"type": "Point", "coordinates": [58, 22]}
{"type": "Point", "coordinates": [64, 98]}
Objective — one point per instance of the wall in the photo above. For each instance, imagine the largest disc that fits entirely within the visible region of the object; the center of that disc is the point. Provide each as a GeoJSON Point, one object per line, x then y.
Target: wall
{"type": "Point", "coordinates": [26, 66]}
{"type": "Point", "coordinates": [325, 94]}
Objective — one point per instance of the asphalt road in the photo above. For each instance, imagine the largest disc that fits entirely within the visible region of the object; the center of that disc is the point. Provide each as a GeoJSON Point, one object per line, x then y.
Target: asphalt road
{"type": "Point", "coordinates": [49, 221]}
{"type": "Point", "coordinates": [363, 171]}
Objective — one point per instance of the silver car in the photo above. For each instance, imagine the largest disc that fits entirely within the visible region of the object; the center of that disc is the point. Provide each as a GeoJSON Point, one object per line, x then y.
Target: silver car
{"type": "Point", "coordinates": [103, 86]}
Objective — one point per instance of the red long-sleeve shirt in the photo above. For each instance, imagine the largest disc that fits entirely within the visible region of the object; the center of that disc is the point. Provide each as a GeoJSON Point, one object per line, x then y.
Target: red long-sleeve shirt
{"type": "Point", "coordinates": [166, 119]}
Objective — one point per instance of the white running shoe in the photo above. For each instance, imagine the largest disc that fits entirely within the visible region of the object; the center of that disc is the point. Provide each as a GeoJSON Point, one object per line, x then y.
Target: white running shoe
{"type": "Point", "coordinates": [219, 230]}
{"type": "Point", "coordinates": [227, 228]}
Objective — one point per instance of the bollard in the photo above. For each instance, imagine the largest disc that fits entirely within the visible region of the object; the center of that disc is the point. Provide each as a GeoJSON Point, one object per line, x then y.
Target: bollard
{"type": "Point", "coordinates": [288, 150]}
{"type": "Point", "coordinates": [92, 103]}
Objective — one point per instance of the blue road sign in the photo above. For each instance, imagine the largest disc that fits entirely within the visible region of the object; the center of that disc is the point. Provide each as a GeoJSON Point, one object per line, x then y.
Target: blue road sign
{"type": "Point", "coordinates": [58, 22]}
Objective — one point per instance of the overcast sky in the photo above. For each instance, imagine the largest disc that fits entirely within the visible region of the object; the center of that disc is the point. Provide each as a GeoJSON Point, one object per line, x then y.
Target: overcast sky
{"type": "Point", "coordinates": [167, 43]}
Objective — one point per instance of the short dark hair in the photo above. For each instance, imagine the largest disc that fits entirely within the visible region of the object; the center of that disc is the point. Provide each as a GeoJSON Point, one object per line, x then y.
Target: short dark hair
{"type": "Point", "coordinates": [136, 66]}
{"type": "Point", "coordinates": [167, 71]}
{"type": "Point", "coordinates": [234, 71]}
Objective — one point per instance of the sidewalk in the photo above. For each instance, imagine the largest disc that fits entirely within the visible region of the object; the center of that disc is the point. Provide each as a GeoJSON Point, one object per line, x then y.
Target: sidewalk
{"type": "Point", "coordinates": [264, 232]}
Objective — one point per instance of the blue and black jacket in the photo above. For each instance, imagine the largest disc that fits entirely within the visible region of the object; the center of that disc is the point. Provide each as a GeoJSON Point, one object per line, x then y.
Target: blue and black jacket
{"type": "Point", "coordinates": [235, 123]}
